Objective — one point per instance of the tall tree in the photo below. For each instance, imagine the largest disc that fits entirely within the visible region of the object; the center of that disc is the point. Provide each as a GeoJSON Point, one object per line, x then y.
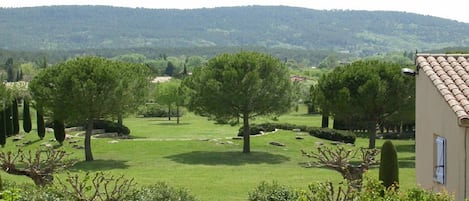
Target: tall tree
{"type": "Point", "coordinates": [10, 70]}
{"type": "Point", "coordinates": [364, 92]}
{"type": "Point", "coordinates": [241, 85]}
{"type": "Point", "coordinates": [26, 116]}
{"type": "Point", "coordinates": [15, 117]}
{"type": "Point", "coordinates": [41, 128]}
{"type": "Point", "coordinates": [9, 119]}
{"type": "Point", "coordinates": [169, 71]}
{"type": "Point", "coordinates": [167, 93]}
{"type": "Point", "coordinates": [87, 89]}
{"type": "Point", "coordinates": [59, 131]}
{"type": "Point", "coordinates": [4, 99]}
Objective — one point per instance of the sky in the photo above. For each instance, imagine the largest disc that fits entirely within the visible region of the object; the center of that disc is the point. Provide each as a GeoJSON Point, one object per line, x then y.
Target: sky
{"type": "Point", "coordinates": [449, 9]}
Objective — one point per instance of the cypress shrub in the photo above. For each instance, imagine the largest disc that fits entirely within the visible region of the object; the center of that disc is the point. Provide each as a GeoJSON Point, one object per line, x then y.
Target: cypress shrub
{"type": "Point", "coordinates": [8, 121]}
{"type": "Point", "coordinates": [16, 120]}
{"type": "Point", "coordinates": [26, 117]}
{"type": "Point", "coordinates": [41, 128]}
{"type": "Point", "coordinates": [59, 131]}
{"type": "Point", "coordinates": [389, 167]}
{"type": "Point", "coordinates": [2, 129]}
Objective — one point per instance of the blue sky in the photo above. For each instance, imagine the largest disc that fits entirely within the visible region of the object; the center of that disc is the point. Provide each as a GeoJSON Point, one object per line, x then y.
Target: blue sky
{"type": "Point", "coordinates": [450, 9]}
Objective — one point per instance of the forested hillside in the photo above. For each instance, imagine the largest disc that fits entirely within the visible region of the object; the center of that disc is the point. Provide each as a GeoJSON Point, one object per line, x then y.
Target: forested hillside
{"type": "Point", "coordinates": [358, 32]}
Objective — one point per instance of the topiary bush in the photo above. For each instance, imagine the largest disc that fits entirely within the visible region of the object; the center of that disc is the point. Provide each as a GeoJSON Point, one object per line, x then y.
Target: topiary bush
{"type": "Point", "coordinates": [272, 192]}
{"type": "Point", "coordinates": [256, 129]}
{"type": "Point", "coordinates": [323, 133]}
{"type": "Point", "coordinates": [111, 127]}
{"type": "Point", "coordinates": [389, 165]}
{"type": "Point", "coordinates": [160, 191]}
{"type": "Point", "coordinates": [332, 134]}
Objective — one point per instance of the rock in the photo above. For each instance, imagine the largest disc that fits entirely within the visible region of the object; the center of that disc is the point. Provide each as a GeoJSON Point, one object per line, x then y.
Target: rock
{"type": "Point", "coordinates": [296, 130]}
{"type": "Point", "coordinates": [336, 143]}
{"type": "Point", "coordinates": [73, 129]}
{"type": "Point", "coordinates": [17, 138]}
{"type": "Point", "coordinates": [27, 142]}
{"type": "Point", "coordinates": [277, 144]}
{"type": "Point", "coordinates": [113, 142]}
{"type": "Point", "coordinates": [299, 138]}
{"type": "Point", "coordinates": [73, 141]}
{"type": "Point", "coordinates": [78, 146]}
{"type": "Point", "coordinates": [319, 143]}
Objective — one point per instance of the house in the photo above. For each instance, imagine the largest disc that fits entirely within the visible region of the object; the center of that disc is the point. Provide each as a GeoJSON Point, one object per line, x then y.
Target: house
{"type": "Point", "coordinates": [442, 123]}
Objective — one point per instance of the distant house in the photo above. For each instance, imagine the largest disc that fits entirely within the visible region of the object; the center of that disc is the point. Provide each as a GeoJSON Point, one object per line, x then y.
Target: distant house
{"type": "Point", "coordinates": [162, 79]}
{"type": "Point", "coordinates": [297, 78]}
{"type": "Point", "coordinates": [442, 122]}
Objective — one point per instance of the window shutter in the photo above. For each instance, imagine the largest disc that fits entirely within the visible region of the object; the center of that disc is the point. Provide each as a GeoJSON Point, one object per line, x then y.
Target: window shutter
{"type": "Point", "coordinates": [440, 160]}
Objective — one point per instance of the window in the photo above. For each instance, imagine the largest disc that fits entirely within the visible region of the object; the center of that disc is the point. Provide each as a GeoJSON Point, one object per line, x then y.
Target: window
{"type": "Point", "coordinates": [440, 160]}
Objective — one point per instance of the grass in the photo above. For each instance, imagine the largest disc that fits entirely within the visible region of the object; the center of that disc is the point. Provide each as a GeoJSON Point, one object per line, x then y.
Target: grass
{"type": "Point", "coordinates": [201, 156]}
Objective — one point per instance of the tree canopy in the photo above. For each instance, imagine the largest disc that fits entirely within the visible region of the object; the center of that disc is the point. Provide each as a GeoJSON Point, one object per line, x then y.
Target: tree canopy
{"type": "Point", "coordinates": [240, 86]}
{"type": "Point", "coordinates": [89, 88]}
{"type": "Point", "coordinates": [366, 92]}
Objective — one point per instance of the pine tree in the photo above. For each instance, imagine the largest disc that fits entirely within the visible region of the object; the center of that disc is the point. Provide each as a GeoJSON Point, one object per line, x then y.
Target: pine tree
{"type": "Point", "coordinates": [59, 131]}
{"type": "Point", "coordinates": [26, 117]}
{"type": "Point", "coordinates": [16, 121]}
{"type": "Point", "coordinates": [41, 128]}
{"type": "Point", "coordinates": [389, 166]}
{"type": "Point", "coordinates": [3, 130]}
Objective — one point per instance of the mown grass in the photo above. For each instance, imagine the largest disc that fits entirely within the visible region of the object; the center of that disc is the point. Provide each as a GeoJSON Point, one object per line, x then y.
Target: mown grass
{"type": "Point", "coordinates": [202, 156]}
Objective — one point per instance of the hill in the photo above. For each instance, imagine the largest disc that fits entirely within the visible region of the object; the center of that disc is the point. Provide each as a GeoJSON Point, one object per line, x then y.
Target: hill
{"type": "Point", "coordinates": [358, 32]}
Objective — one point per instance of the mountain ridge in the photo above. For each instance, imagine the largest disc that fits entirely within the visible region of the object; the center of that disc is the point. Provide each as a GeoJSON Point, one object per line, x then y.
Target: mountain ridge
{"type": "Point", "coordinates": [357, 32]}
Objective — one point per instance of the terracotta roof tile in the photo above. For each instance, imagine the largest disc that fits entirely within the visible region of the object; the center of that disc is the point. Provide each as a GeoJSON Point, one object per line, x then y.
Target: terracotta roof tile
{"type": "Point", "coordinates": [450, 75]}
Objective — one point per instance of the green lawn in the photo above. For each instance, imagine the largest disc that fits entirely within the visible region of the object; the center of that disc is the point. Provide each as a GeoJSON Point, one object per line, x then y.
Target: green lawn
{"type": "Point", "coordinates": [201, 156]}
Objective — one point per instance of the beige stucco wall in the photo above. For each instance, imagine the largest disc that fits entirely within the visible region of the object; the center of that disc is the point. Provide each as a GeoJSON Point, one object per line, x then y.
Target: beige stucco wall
{"type": "Point", "coordinates": [435, 117]}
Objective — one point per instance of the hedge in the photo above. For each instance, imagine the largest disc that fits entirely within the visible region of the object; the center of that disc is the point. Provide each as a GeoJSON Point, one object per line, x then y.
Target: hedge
{"type": "Point", "coordinates": [323, 133]}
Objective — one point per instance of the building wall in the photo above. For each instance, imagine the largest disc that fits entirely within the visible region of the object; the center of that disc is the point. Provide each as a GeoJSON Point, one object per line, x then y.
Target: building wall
{"type": "Point", "coordinates": [435, 117]}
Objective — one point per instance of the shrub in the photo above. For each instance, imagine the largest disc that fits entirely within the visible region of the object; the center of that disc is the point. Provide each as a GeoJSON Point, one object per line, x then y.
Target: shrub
{"type": "Point", "coordinates": [323, 133]}
{"type": "Point", "coordinates": [256, 129]}
{"type": "Point", "coordinates": [332, 134]}
{"type": "Point", "coordinates": [111, 127]}
{"type": "Point", "coordinates": [388, 167]}
{"type": "Point", "coordinates": [160, 191]}
{"type": "Point", "coordinates": [272, 192]}
{"type": "Point", "coordinates": [155, 110]}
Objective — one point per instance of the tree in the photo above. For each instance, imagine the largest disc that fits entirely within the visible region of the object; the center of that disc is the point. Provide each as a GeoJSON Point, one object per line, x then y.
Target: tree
{"type": "Point", "coordinates": [8, 119]}
{"type": "Point", "coordinates": [15, 118]}
{"type": "Point", "coordinates": [4, 99]}
{"type": "Point", "coordinates": [170, 93]}
{"type": "Point", "coordinates": [89, 88]}
{"type": "Point", "coordinates": [364, 93]}
{"type": "Point", "coordinates": [41, 128]}
{"type": "Point", "coordinates": [26, 116]}
{"type": "Point", "coordinates": [169, 71]}
{"type": "Point", "coordinates": [241, 85]}
{"type": "Point", "coordinates": [10, 70]}
{"type": "Point", "coordinates": [59, 131]}
{"type": "Point", "coordinates": [389, 165]}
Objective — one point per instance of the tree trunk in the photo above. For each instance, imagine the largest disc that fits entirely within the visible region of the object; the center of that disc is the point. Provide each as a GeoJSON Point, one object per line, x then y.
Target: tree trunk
{"type": "Point", "coordinates": [169, 112]}
{"type": "Point", "coordinates": [372, 133]}
{"type": "Point", "coordinates": [177, 114]}
{"type": "Point", "coordinates": [120, 120]}
{"type": "Point", "coordinates": [325, 121]}
{"type": "Point", "coordinates": [89, 130]}
{"type": "Point", "coordinates": [246, 134]}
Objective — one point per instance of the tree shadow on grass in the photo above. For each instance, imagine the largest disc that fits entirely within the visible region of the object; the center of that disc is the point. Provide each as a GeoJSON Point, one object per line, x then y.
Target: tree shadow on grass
{"type": "Point", "coordinates": [227, 158]}
{"type": "Point", "coordinates": [99, 165]}
{"type": "Point", "coordinates": [405, 148]}
{"type": "Point", "coordinates": [171, 124]}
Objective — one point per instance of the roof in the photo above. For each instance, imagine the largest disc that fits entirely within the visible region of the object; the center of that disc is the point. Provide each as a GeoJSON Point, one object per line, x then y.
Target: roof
{"type": "Point", "coordinates": [450, 75]}
{"type": "Point", "coordinates": [161, 79]}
